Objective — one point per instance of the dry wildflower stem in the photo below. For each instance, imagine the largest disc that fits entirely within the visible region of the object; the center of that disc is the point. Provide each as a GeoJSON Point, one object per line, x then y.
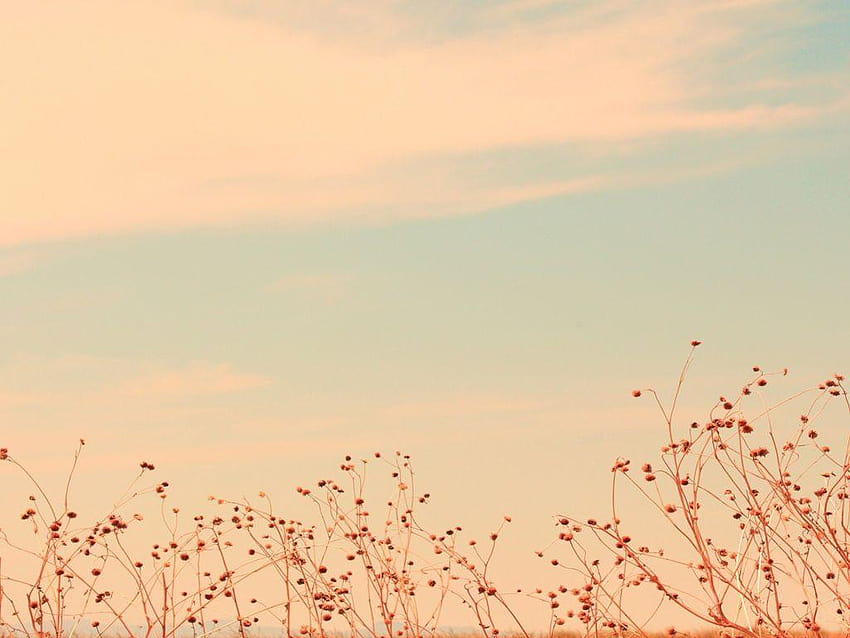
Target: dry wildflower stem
{"type": "Point", "coordinates": [758, 514]}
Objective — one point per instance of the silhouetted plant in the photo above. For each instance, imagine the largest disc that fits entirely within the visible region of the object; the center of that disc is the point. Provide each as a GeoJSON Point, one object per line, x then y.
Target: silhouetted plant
{"type": "Point", "coordinates": [756, 513]}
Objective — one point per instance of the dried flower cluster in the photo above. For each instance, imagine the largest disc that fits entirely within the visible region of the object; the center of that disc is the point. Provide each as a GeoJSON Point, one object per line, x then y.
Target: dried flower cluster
{"type": "Point", "coordinates": [759, 517]}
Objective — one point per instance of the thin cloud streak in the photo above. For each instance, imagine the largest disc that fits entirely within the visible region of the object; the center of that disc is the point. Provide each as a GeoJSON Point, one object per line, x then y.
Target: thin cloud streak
{"type": "Point", "coordinates": [161, 132]}
{"type": "Point", "coordinates": [327, 285]}
{"type": "Point", "coordinates": [102, 382]}
{"type": "Point", "coordinates": [18, 262]}
{"type": "Point", "coordinates": [195, 380]}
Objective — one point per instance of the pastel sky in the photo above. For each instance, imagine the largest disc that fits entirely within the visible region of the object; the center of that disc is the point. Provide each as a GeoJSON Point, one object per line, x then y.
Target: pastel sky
{"type": "Point", "coordinates": [241, 238]}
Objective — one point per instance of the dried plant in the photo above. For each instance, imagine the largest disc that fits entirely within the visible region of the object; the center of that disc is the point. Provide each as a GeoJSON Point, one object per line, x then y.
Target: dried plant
{"type": "Point", "coordinates": [755, 512]}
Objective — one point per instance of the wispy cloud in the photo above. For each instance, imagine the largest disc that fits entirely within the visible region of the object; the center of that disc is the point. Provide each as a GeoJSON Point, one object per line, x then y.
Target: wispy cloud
{"type": "Point", "coordinates": [13, 263]}
{"type": "Point", "coordinates": [464, 406]}
{"type": "Point", "coordinates": [88, 381]}
{"type": "Point", "coordinates": [327, 285]}
{"type": "Point", "coordinates": [194, 380]}
{"type": "Point", "coordinates": [172, 131]}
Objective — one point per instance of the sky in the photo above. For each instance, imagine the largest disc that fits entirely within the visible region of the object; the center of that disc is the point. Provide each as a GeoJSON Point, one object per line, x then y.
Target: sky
{"type": "Point", "coordinates": [241, 239]}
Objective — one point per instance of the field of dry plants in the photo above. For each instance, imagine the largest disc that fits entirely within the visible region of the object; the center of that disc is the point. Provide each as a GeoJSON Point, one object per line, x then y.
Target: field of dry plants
{"type": "Point", "coordinates": [756, 505]}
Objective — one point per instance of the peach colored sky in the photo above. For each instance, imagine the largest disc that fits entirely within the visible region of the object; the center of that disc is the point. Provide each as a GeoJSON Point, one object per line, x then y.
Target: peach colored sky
{"type": "Point", "coordinates": [138, 117]}
{"type": "Point", "coordinates": [242, 239]}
